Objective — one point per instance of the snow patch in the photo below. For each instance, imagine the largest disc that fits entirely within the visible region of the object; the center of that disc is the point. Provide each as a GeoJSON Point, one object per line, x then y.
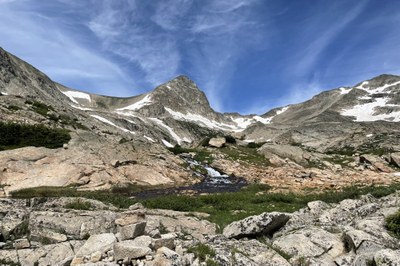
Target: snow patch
{"type": "Point", "coordinates": [81, 108]}
{"type": "Point", "coordinates": [203, 120]}
{"type": "Point", "coordinates": [284, 109]}
{"type": "Point", "coordinates": [379, 89]}
{"type": "Point", "coordinates": [366, 111]}
{"type": "Point", "coordinates": [263, 120]}
{"type": "Point", "coordinates": [148, 138]}
{"type": "Point", "coordinates": [242, 122]}
{"type": "Point", "coordinates": [369, 135]}
{"type": "Point", "coordinates": [77, 94]}
{"type": "Point", "coordinates": [396, 174]}
{"type": "Point", "coordinates": [362, 85]}
{"type": "Point", "coordinates": [167, 144]}
{"type": "Point", "coordinates": [104, 120]}
{"type": "Point", "coordinates": [4, 93]}
{"type": "Point", "coordinates": [170, 131]}
{"type": "Point", "coordinates": [343, 90]}
{"type": "Point", "coordinates": [137, 105]}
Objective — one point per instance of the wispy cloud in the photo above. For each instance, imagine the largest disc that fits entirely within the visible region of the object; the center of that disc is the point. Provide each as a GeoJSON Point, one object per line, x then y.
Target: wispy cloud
{"type": "Point", "coordinates": [222, 32]}
{"type": "Point", "coordinates": [38, 40]}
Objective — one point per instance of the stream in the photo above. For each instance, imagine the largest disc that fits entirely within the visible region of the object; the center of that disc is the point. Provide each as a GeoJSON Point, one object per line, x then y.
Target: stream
{"type": "Point", "coordinates": [212, 182]}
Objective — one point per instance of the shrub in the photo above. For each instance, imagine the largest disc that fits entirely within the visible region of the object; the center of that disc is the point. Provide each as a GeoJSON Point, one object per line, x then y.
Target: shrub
{"type": "Point", "coordinates": [230, 139]}
{"type": "Point", "coordinates": [393, 224]}
{"type": "Point", "coordinates": [201, 251]}
{"type": "Point", "coordinates": [79, 204]}
{"type": "Point", "coordinates": [254, 145]}
{"type": "Point", "coordinates": [13, 135]}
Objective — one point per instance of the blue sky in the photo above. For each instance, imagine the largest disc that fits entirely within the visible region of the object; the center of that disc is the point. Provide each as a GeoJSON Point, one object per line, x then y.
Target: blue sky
{"type": "Point", "coordinates": [248, 56]}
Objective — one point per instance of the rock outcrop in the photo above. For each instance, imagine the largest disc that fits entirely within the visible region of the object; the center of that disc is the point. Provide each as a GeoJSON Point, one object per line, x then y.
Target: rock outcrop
{"type": "Point", "coordinates": [42, 232]}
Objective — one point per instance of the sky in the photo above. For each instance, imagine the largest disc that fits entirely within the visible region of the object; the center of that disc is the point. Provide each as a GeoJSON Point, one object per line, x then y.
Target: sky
{"type": "Point", "coordinates": [248, 56]}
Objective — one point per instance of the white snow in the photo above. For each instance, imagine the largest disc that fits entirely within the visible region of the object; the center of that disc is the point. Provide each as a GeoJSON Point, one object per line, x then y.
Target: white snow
{"type": "Point", "coordinates": [263, 120]}
{"type": "Point", "coordinates": [201, 119]}
{"type": "Point", "coordinates": [170, 131]}
{"type": "Point", "coordinates": [369, 135]}
{"type": "Point", "coordinates": [242, 122]}
{"type": "Point", "coordinates": [284, 109]}
{"type": "Point", "coordinates": [148, 138]}
{"type": "Point", "coordinates": [77, 94]}
{"type": "Point", "coordinates": [344, 90]}
{"type": "Point", "coordinates": [379, 89]}
{"type": "Point", "coordinates": [362, 85]}
{"type": "Point", "coordinates": [104, 120]}
{"type": "Point", "coordinates": [396, 174]}
{"type": "Point", "coordinates": [3, 93]}
{"type": "Point", "coordinates": [366, 111]}
{"type": "Point", "coordinates": [137, 105]}
{"type": "Point", "coordinates": [81, 108]}
{"type": "Point", "coordinates": [166, 143]}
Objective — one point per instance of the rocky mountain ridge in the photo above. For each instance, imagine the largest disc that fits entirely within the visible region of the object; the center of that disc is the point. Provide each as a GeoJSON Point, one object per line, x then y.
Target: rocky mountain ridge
{"type": "Point", "coordinates": [136, 131]}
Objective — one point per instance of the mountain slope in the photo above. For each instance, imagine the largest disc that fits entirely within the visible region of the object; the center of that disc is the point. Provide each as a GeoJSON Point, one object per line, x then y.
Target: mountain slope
{"type": "Point", "coordinates": [122, 141]}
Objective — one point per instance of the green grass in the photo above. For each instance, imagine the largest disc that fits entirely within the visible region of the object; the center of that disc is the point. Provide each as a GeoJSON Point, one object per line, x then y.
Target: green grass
{"type": "Point", "coordinates": [78, 204]}
{"type": "Point", "coordinates": [201, 155]}
{"type": "Point", "coordinates": [40, 108]}
{"type": "Point", "coordinates": [223, 208]}
{"type": "Point", "coordinates": [115, 199]}
{"type": "Point", "coordinates": [13, 135]}
{"type": "Point", "coordinates": [245, 154]}
{"type": "Point", "coordinates": [393, 224]}
{"type": "Point", "coordinates": [202, 251]}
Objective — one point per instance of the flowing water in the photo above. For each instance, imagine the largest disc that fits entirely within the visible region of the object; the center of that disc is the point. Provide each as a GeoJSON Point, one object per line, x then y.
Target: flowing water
{"type": "Point", "coordinates": [212, 182]}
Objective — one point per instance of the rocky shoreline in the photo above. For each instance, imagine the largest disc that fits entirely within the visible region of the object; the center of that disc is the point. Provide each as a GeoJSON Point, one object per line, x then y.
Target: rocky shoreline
{"type": "Point", "coordinates": [46, 231]}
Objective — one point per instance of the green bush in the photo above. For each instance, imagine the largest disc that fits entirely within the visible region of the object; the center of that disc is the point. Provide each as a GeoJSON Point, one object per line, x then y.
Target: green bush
{"type": "Point", "coordinates": [254, 145]}
{"type": "Point", "coordinates": [79, 204]}
{"type": "Point", "coordinates": [393, 224]}
{"type": "Point", "coordinates": [41, 108]}
{"type": "Point", "coordinates": [230, 139]}
{"type": "Point", "coordinates": [13, 135]}
{"type": "Point", "coordinates": [201, 251]}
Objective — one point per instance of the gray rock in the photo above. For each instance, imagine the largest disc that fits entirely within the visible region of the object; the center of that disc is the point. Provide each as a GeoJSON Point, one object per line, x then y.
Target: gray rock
{"type": "Point", "coordinates": [131, 231]}
{"type": "Point", "coordinates": [21, 243]}
{"type": "Point", "coordinates": [395, 159]}
{"type": "Point", "coordinates": [217, 142]}
{"type": "Point", "coordinates": [129, 249]}
{"type": "Point", "coordinates": [166, 240]}
{"type": "Point", "coordinates": [263, 224]}
{"type": "Point", "coordinates": [387, 257]}
{"type": "Point", "coordinates": [101, 242]}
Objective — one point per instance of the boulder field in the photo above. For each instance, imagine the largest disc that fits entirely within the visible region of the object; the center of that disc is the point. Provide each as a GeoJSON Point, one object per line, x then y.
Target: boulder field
{"type": "Point", "coordinates": [43, 231]}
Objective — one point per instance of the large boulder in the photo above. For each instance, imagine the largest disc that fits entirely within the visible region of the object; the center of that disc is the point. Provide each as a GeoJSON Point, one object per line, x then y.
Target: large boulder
{"type": "Point", "coordinates": [263, 224]}
{"type": "Point", "coordinates": [387, 257]}
{"type": "Point", "coordinates": [395, 159]}
{"type": "Point", "coordinates": [217, 142]}
{"type": "Point", "coordinates": [128, 250]}
{"type": "Point", "coordinates": [378, 163]}
{"type": "Point", "coordinates": [131, 225]}
{"type": "Point", "coordinates": [95, 243]}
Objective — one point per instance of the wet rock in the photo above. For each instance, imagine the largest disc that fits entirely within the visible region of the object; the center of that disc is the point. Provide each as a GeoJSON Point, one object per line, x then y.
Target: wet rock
{"type": "Point", "coordinates": [263, 224]}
